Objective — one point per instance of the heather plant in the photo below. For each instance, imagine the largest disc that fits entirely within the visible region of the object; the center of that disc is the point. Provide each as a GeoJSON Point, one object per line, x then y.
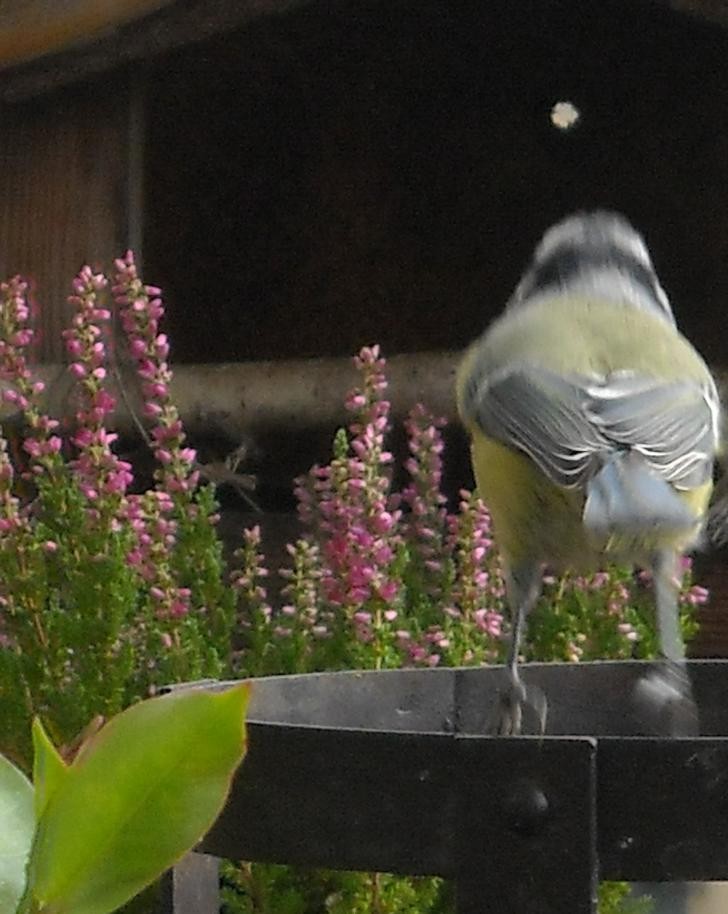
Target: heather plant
{"type": "Point", "coordinates": [105, 592]}
{"type": "Point", "coordinates": [384, 579]}
{"type": "Point", "coordinates": [110, 587]}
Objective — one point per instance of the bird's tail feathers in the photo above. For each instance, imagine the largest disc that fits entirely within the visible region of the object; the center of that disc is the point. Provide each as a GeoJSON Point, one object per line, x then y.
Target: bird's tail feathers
{"type": "Point", "coordinates": [627, 500]}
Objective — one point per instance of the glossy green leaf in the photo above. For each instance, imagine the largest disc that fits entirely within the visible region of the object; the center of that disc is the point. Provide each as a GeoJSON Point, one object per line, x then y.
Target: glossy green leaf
{"type": "Point", "coordinates": [49, 769]}
{"type": "Point", "coordinates": [143, 791]}
{"type": "Point", "coordinates": [17, 824]}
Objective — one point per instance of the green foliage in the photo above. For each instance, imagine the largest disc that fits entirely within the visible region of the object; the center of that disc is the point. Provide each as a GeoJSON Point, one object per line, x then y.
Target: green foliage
{"type": "Point", "coordinates": [615, 898]}
{"type": "Point", "coordinates": [273, 889]}
{"type": "Point", "coordinates": [16, 833]}
{"type": "Point", "coordinates": [140, 792]}
{"type": "Point", "coordinates": [445, 604]}
{"type": "Point", "coordinates": [49, 769]}
{"type": "Point", "coordinates": [109, 591]}
{"type": "Point", "coordinates": [105, 595]}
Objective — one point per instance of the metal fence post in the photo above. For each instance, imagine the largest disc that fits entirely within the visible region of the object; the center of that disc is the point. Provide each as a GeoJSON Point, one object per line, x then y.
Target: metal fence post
{"type": "Point", "coordinates": [192, 886]}
{"type": "Point", "coordinates": [526, 831]}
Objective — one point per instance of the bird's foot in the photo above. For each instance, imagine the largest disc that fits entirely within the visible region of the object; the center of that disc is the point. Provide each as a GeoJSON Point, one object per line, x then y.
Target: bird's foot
{"type": "Point", "coordinates": [520, 707]}
{"type": "Point", "coordinates": [665, 703]}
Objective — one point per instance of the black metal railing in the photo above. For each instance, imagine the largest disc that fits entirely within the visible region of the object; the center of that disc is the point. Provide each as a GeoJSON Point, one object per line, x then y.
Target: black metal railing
{"type": "Point", "coordinates": [391, 771]}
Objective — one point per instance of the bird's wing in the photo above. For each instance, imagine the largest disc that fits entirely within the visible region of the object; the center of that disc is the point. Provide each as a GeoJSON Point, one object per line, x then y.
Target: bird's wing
{"type": "Point", "coordinates": [568, 425]}
{"type": "Point", "coordinates": [543, 415]}
{"type": "Point", "coordinates": [673, 425]}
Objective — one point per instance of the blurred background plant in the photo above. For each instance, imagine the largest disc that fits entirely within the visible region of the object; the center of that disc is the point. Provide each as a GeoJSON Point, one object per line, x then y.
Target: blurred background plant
{"type": "Point", "coordinates": [109, 589]}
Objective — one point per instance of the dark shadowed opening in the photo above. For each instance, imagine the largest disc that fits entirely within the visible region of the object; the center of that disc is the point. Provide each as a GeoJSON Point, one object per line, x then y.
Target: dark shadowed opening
{"type": "Point", "coordinates": [355, 171]}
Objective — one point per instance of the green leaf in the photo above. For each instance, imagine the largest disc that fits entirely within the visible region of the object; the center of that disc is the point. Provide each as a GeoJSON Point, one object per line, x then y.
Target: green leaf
{"type": "Point", "coordinates": [17, 824]}
{"type": "Point", "coordinates": [141, 793]}
{"type": "Point", "coordinates": [49, 769]}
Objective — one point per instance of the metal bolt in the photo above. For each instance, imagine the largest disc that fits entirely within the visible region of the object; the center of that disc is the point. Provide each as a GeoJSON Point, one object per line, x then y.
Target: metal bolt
{"type": "Point", "coordinates": [526, 807]}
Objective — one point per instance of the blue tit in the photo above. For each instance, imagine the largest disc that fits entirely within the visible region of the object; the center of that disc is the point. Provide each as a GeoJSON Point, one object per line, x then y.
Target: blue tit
{"type": "Point", "coordinates": [594, 426]}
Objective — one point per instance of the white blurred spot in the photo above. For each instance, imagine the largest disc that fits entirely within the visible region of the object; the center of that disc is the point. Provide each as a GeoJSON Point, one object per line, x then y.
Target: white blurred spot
{"type": "Point", "coordinates": [564, 115]}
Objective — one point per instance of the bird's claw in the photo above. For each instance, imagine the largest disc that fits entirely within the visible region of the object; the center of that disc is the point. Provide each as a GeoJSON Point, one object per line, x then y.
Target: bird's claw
{"type": "Point", "coordinates": [514, 700]}
{"type": "Point", "coordinates": [665, 703]}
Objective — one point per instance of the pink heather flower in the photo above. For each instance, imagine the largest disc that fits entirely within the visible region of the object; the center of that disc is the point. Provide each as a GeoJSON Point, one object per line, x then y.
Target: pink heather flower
{"type": "Point", "coordinates": [141, 310]}
{"type": "Point", "coordinates": [599, 579]}
{"type": "Point", "coordinates": [15, 337]}
{"type": "Point", "coordinates": [388, 590]}
{"type": "Point", "coordinates": [179, 606]}
{"type": "Point", "coordinates": [478, 589]}
{"type": "Point", "coordinates": [697, 595]}
{"type": "Point", "coordinates": [489, 622]}
{"type": "Point", "coordinates": [10, 515]}
{"type": "Point", "coordinates": [252, 596]}
{"type": "Point", "coordinates": [425, 526]}
{"type": "Point", "coordinates": [103, 477]}
{"type": "Point", "coordinates": [349, 503]}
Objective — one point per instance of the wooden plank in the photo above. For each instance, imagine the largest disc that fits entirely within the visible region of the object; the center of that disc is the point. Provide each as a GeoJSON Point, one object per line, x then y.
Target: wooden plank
{"type": "Point", "coordinates": [31, 28]}
{"type": "Point", "coordinates": [62, 194]}
{"type": "Point", "coordinates": [239, 399]}
{"type": "Point", "coordinates": [173, 26]}
{"type": "Point", "coordinates": [714, 11]}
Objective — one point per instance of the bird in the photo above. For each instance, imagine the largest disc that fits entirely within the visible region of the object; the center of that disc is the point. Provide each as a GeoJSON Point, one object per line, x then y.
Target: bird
{"type": "Point", "coordinates": [594, 427]}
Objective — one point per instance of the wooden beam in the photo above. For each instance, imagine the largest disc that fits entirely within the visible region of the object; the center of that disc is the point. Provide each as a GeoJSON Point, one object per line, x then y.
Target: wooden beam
{"type": "Point", "coordinates": [239, 399]}
{"type": "Point", "coordinates": [175, 25]}
{"type": "Point", "coordinates": [117, 32]}
{"type": "Point", "coordinates": [713, 11]}
{"type": "Point", "coordinates": [33, 28]}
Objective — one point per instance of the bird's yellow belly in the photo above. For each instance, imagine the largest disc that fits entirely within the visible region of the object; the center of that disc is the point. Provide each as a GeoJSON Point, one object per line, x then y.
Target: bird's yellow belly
{"type": "Point", "coordinates": [533, 519]}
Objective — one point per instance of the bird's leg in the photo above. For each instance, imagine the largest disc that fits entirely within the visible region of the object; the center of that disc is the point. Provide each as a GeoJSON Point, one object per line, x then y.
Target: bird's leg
{"type": "Point", "coordinates": [665, 695]}
{"type": "Point", "coordinates": [524, 587]}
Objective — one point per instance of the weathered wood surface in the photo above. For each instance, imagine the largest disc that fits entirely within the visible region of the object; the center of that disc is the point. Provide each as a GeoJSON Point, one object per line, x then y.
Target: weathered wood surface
{"type": "Point", "coordinates": [63, 166]}
{"type": "Point", "coordinates": [48, 43]}
{"type": "Point", "coordinates": [242, 398]}
{"type": "Point", "coordinates": [32, 28]}
{"type": "Point", "coordinates": [172, 24]}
